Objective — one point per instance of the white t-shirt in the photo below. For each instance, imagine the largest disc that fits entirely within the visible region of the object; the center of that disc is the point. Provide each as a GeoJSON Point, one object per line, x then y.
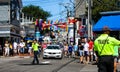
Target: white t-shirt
{"type": "Point", "coordinates": [22, 44]}
{"type": "Point", "coordinates": [86, 47]}
{"type": "Point", "coordinates": [15, 45]}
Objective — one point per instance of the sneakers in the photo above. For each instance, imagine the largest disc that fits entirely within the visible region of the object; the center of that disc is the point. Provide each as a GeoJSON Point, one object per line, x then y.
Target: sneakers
{"type": "Point", "coordinates": [82, 62]}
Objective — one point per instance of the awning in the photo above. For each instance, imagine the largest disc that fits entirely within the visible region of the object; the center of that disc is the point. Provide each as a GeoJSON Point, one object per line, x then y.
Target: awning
{"type": "Point", "coordinates": [113, 22]}
{"type": "Point", "coordinates": [28, 38]}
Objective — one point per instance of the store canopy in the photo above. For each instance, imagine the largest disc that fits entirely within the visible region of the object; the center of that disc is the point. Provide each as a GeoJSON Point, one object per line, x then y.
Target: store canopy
{"type": "Point", "coordinates": [112, 21]}
{"type": "Point", "coordinates": [28, 38]}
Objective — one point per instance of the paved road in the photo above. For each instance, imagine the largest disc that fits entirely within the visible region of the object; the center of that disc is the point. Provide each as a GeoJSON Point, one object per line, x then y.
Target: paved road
{"type": "Point", "coordinates": [64, 65]}
{"type": "Point", "coordinates": [23, 65]}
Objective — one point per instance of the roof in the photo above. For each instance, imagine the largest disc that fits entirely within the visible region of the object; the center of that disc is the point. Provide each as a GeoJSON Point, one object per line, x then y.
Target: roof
{"type": "Point", "coordinates": [110, 13]}
{"type": "Point", "coordinates": [113, 22]}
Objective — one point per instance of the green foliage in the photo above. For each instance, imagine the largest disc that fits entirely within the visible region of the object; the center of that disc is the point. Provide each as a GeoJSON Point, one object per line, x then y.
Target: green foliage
{"type": "Point", "coordinates": [103, 6]}
{"type": "Point", "coordinates": [36, 12]}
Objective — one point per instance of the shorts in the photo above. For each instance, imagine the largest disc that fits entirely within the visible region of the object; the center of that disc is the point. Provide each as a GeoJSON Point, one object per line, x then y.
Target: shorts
{"type": "Point", "coordinates": [81, 52]}
{"type": "Point", "coordinates": [91, 52]}
{"type": "Point", "coordinates": [86, 53]}
{"type": "Point", "coordinates": [22, 50]}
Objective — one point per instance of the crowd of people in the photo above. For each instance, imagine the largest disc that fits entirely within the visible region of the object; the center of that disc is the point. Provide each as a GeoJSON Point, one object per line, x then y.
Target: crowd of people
{"type": "Point", "coordinates": [12, 49]}
{"type": "Point", "coordinates": [83, 50]}
{"type": "Point", "coordinates": [20, 48]}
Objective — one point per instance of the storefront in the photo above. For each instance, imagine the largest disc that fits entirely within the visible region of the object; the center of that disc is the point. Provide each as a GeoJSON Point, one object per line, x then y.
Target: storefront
{"type": "Point", "coordinates": [113, 22]}
{"type": "Point", "coordinates": [10, 33]}
{"type": "Point", "coordinates": [110, 19]}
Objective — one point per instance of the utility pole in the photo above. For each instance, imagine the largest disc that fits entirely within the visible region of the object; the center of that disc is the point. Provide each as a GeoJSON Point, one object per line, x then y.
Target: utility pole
{"type": "Point", "coordinates": [9, 12]}
{"type": "Point", "coordinates": [89, 24]}
{"type": "Point", "coordinates": [74, 24]}
{"type": "Point", "coordinates": [74, 28]}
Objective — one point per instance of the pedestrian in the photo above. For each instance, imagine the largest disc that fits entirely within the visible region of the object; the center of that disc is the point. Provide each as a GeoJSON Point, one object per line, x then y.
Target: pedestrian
{"type": "Point", "coordinates": [75, 47]}
{"type": "Point", "coordinates": [90, 42]}
{"type": "Point", "coordinates": [81, 50]}
{"type": "Point", "coordinates": [116, 57]}
{"type": "Point", "coordinates": [30, 49]}
{"type": "Point", "coordinates": [35, 48]}
{"type": "Point", "coordinates": [86, 52]}
{"type": "Point", "coordinates": [70, 49]}
{"type": "Point", "coordinates": [15, 46]}
{"type": "Point", "coordinates": [104, 49]}
{"type": "Point", "coordinates": [11, 49]}
{"type": "Point", "coordinates": [22, 47]}
{"type": "Point", "coordinates": [7, 48]}
{"type": "Point", "coordinates": [66, 50]}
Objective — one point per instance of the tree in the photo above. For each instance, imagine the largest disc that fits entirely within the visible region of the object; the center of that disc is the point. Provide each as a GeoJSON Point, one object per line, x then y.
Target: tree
{"type": "Point", "coordinates": [36, 11]}
{"type": "Point", "coordinates": [102, 6]}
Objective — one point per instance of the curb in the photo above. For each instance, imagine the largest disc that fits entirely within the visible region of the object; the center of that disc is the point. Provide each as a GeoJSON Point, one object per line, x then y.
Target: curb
{"type": "Point", "coordinates": [16, 57]}
{"type": "Point", "coordinates": [24, 56]}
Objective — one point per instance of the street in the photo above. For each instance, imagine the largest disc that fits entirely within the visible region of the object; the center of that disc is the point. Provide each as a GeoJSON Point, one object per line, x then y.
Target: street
{"type": "Point", "coordinates": [56, 65]}
{"type": "Point", "coordinates": [14, 64]}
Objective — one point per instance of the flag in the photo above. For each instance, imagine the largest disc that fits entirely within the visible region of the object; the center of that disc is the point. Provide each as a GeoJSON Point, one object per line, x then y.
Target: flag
{"type": "Point", "coordinates": [56, 22]}
{"type": "Point", "coordinates": [37, 22]}
{"type": "Point", "coordinates": [49, 24]}
{"type": "Point", "coordinates": [60, 21]}
{"type": "Point", "coordinates": [40, 24]}
{"type": "Point", "coordinates": [51, 27]}
{"type": "Point", "coordinates": [43, 25]}
{"type": "Point", "coordinates": [66, 28]}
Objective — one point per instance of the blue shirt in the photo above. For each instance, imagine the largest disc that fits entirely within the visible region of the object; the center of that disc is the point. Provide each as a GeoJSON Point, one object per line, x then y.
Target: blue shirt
{"type": "Point", "coordinates": [75, 47]}
{"type": "Point", "coordinates": [70, 48]}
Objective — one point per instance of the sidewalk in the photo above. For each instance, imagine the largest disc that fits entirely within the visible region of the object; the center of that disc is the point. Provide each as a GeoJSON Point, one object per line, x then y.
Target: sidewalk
{"type": "Point", "coordinates": [93, 68]}
{"type": "Point", "coordinates": [18, 56]}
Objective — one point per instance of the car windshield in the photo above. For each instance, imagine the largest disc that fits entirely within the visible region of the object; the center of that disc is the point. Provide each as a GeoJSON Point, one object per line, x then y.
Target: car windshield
{"type": "Point", "coordinates": [52, 47]}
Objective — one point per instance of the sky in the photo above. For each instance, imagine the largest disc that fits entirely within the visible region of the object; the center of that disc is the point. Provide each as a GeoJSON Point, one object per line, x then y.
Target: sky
{"type": "Point", "coordinates": [53, 6]}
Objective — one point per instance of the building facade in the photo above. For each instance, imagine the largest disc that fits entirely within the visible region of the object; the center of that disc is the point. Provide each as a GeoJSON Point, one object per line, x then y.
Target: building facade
{"type": "Point", "coordinates": [80, 8]}
{"type": "Point", "coordinates": [10, 17]}
{"type": "Point", "coordinates": [80, 13]}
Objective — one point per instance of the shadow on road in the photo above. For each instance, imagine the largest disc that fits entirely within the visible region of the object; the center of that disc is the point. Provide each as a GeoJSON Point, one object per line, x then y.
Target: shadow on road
{"type": "Point", "coordinates": [34, 64]}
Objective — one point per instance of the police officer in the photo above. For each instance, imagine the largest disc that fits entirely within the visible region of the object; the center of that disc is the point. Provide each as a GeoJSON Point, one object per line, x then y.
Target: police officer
{"type": "Point", "coordinates": [104, 48]}
{"type": "Point", "coordinates": [35, 48]}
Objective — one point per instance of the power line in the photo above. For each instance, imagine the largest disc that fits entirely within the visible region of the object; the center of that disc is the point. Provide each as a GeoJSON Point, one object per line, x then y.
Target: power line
{"type": "Point", "coordinates": [77, 6]}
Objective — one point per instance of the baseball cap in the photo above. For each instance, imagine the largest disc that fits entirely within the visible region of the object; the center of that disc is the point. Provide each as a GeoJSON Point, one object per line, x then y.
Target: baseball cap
{"type": "Point", "coordinates": [106, 28]}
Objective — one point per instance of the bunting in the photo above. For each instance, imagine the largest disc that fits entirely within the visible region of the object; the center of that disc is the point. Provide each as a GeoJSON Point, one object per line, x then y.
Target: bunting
{"type": "Point", "coordinates": [71, 20]}
{"type": "Point", "coordinates": [51, 27]}
{"type": "Point", "coordinates": [40, 24]}
{"type": "Point", "coordinates": [37, 22]}
{"type": "Point", "coordinates": [58, 24]}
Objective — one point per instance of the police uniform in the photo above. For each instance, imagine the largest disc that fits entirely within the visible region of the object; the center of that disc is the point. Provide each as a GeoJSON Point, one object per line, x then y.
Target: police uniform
{"type": "Point", "coordinates": [35, 49]}
{"type": "Point", "coordinates": [104, 46]}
